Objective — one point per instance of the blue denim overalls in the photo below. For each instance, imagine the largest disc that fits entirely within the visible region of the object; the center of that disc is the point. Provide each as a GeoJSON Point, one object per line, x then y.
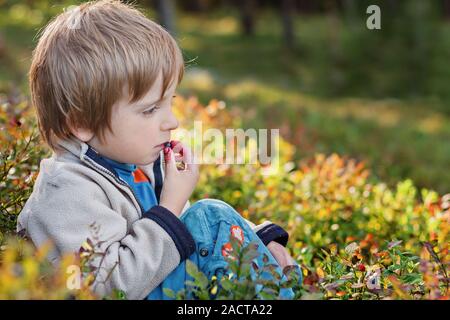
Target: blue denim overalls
{"type": "Point", "coordinates": [210, 222]}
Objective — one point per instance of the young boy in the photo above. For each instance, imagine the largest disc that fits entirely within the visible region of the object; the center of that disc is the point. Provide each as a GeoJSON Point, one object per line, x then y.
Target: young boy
{"type": "Point", "coordinates": [102, 79]}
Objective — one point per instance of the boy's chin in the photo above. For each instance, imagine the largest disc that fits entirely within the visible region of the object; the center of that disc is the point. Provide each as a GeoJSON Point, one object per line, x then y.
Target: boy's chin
{"type": "Point", "coordinates": [150, 160]}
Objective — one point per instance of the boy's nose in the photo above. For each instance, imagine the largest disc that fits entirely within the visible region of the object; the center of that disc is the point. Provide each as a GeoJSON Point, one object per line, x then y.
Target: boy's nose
{"type": "Point", "coordinates": [171, 123]}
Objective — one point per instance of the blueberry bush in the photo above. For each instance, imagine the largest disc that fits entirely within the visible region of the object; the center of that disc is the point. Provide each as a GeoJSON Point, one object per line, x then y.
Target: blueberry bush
{"type": "Point", "coordinates": [353, 235]}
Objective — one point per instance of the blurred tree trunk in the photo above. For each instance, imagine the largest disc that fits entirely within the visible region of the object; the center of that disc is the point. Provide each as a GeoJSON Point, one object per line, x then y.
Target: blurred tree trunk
{"type": "Point", "coordinates": [334, 27]}
{"type": "Point", "coordinates": [194, 5]}
{"type": "Point", "coordinates": [2, 47]}
{"type": "Point", "coordinates": [335, 75]}
{"type": "Point", "coordinates": [166, 14]}
{"type": "Point", "coordinates": [447, 9]}
{"type": "Point", "coordinates": [393, 5]}
{"type": "Point", "coordinates": [307, 6]}
{"type": "Point", "coordinates": [352, 16]}
{"type": "Point", "coordinates": [248, 9]}
{"type": "Point", "coordinates": [10, 61]}
{"type": "Point", "coordinates": [287, 9]}
{"type": "Point", "coordinates": [350, 10]}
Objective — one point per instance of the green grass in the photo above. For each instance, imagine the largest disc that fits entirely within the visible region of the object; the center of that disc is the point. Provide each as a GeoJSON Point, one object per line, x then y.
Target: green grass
{"type": "Point", "coordinates": [407, 138]}
{"type": "Point", "coordinates": [320, 98]}
{"type": "Point", "coordinates": [397, 139]}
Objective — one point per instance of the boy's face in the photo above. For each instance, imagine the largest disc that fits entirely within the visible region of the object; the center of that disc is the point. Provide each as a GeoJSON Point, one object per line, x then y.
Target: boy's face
{"type": "Point", "coordinates": [139, 129]}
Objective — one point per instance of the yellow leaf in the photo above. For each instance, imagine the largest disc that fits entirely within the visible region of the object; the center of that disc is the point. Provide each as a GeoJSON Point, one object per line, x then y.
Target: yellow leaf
{"type": "Point", "coordinates": [320, 272]}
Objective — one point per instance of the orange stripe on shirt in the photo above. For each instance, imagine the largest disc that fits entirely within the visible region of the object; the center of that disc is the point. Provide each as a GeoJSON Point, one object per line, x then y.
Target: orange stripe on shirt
{"type": "Point", "coordinates": [139, 176]}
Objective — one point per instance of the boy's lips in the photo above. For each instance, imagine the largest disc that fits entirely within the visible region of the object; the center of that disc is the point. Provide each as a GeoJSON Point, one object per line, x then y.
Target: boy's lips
{"type": "Point", "coordinates": [162, 145]}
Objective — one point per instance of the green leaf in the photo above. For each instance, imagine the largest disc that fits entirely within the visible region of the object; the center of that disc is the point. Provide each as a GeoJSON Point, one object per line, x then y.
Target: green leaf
{"type": "Point", "coordinates": [190, 283]}
{"type": "Point", "coordinates": [169, 292]}
{"type": "Point", "coordinates": [203, 280]}
{"type": "Point", "coordinates": [268, 294]}
{"type": "Point", "coordinates": [199, 277]}
{"type": "Point", "coordinates": [226, 284]}
{"type": "Point", "coordinates": [412, 278]}
{"type": "Point", "coordinates": [245, 270]}
{"type": "Point", "coordinates": [191, 268]}
{"type": "Point", "coordinates": [250, 252]}
{"type": "Point", "coordinates": [119, 294]}
{"type": "Point", "coordinates": [394, 267]}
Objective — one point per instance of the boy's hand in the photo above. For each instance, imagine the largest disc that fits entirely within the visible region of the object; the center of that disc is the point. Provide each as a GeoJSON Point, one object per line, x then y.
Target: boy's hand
{"type": "Point", "coordinates": [280, 254]}
{"type": "Point", "coordinates": [178, 184]}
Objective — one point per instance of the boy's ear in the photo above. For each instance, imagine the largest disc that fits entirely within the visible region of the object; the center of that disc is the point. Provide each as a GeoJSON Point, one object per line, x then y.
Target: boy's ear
{"type": "Point", "coordinates": [82, 134]}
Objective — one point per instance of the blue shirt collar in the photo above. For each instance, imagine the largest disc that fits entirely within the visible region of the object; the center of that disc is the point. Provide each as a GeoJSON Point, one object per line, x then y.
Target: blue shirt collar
{"type": "Point", "coordinates": [124, 167]}
{"type": "Point", "coordinates": [110, 164]}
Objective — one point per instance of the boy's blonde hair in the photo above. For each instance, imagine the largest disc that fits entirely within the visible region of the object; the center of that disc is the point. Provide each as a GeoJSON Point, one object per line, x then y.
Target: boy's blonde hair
{"type": "Point", "coordinates": [87, 56]}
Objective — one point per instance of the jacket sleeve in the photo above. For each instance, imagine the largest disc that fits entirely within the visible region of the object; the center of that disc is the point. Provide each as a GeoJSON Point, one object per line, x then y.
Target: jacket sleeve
{"type": "Point", "coordinates": [135, 257]}
{"type": "Point", "coordinates": [269, 231]}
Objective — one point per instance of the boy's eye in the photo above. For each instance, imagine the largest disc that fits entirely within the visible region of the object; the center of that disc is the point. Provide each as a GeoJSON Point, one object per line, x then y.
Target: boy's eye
{"type": "Point", "coordinates": [150, 111]}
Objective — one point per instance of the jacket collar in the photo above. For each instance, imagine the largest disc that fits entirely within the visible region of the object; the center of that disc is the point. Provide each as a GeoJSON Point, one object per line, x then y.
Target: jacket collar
{"type": "Point", "coordinates": [73, 149]}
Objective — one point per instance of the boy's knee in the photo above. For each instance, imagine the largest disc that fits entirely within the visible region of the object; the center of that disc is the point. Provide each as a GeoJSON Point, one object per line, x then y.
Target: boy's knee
{"type": "Point", "coordinates": [209, 208]}
{"type": "Point", "coordinates": [214, 204]}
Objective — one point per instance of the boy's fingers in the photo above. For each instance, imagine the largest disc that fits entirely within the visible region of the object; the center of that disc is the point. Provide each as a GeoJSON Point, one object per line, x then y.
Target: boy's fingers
{"type": "Point", "coordinates": [193, 168]}
{"type": "Point", "coordinates": [173, 143]}
{"type": "Point", "coordinates": [177, 147]}
{"type": "Point", "coordinates": [170, 161]}
{"type": "Point", "coordinates": [187, 158]}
